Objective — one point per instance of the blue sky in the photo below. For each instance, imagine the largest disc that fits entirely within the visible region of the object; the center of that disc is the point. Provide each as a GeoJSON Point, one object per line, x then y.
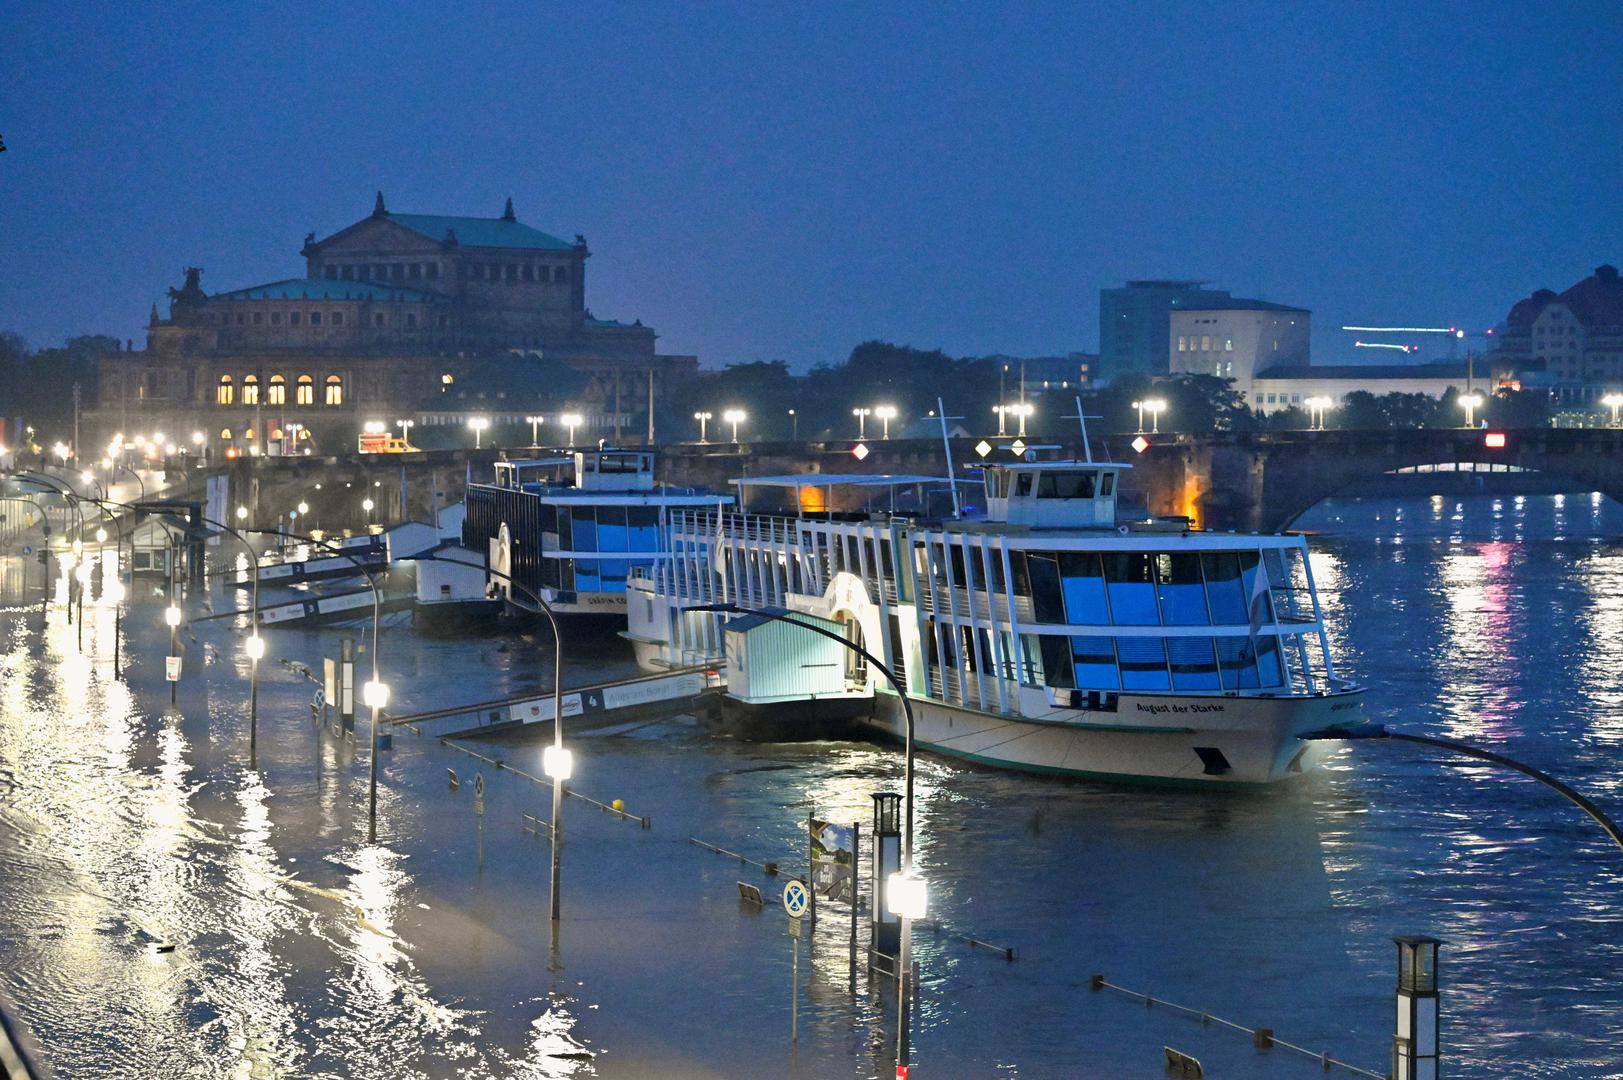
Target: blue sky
{"type": "Point", "coordinates": [782, 181]}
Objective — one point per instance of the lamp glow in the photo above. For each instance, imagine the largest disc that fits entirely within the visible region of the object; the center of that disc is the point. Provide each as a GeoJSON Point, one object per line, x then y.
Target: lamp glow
{"type": "Point", "coordinates": [558, 762]}
{"type": "Point", "coordinates": [101, 536]}
{"type": "Point", "coordinates": [375, 694]}
{"type": "Point", "coordinates": [254, 647]}
{"type": "Point", "coordinates": [907, 895]}
{"type": "Point", "coordinates": [171, 616]}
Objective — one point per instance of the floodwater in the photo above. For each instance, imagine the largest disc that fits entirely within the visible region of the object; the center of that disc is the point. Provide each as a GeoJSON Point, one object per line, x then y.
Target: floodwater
{"type": "Point", "coordinates": [166, 910]}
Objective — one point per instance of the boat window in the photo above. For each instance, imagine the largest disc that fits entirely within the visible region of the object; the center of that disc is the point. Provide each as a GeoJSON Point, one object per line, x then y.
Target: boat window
{"type": "Point", "coordinates": [1058, 670]}
{"type": "Point", "coordinates": [1194, 664]}
{"type": "Point", "coordinates": [642, 528]}
{"type": "Point", "coordinates": [1183, 593]}
{"type": "Point", "coordinates": [612, 575]}
{"type": "Point", "coordinates": [1143, 663]}
{"type": "Point", "coordinates": [1224, 592]}
{"type": "Point", "coordinates": [1030, 661]}
{"type": "Point", "coordinates": [1065, 485]}
{"type": "Point", "coordinates": [1022, 484]}
{"type": "Point", "coordinates": [1095, 659]}
{"type": "Point", "coordinates": [1107, 484]}
{"type": "Point", "coordinates": [611, 528]}
{"type": "Point", "coordinates": [1022, 579]}
{"type": "Point", "coordinates": [585, 527]}
{"type": "Point", "coordinates": [1268, 661]}
{"type": "Point", "coordinates": [586, 576]}
{"type": "Point", "coordinates": [1084, 585]}
{"type": "Point", "coordinates": [566, 531]}
{"type": "Point", "coordinates": [1131, 580]}
{"type": "Point", "coordinates": [1047, 600]}
{"type": "Point", "coordinates": [1238, 663]}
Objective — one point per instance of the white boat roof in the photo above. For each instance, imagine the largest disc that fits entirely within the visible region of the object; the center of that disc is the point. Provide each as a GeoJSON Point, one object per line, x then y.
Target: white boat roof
{"type": "Point", "coordinates": [819, 480]}
{"type": "Point", "coordinates": [1070, 463]}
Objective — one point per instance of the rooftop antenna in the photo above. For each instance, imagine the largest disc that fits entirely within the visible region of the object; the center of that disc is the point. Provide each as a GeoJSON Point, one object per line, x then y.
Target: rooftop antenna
{"type": "Point", "coordinates": [1082, 418]}
{"type": "Point", "coordinates": [946, 445]}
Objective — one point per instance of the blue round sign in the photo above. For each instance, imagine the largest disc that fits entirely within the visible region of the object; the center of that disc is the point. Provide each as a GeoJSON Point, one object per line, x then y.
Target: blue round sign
{"type": "Point", "coordinates": [795, 899]}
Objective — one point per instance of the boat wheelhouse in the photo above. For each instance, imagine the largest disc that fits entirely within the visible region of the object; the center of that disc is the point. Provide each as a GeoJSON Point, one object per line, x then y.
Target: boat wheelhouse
{"type": "Point", "coordinates": [572, 528]}
{"type": "Point", "coordinates": [1040, 634]}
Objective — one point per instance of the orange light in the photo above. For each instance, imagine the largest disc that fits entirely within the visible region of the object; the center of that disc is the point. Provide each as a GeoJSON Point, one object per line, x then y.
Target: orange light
{"type": "Point", "coordinates": [1494, 440]}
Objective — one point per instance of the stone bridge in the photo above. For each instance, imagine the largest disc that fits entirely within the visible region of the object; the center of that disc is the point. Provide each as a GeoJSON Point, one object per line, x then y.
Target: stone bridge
{"type": "Point", "coordinates": [1228, 480]}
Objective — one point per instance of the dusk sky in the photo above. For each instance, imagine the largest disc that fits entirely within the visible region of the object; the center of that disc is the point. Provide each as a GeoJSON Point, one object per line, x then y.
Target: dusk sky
{"type": "Point", "coordinates": [760, 182]}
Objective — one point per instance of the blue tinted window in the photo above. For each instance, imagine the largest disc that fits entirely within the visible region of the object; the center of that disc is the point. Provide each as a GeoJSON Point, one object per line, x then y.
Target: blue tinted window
{"type": "Point", "coordinates": [1238, 663]}
{"type": "Point", "coordinates": [1057, 664]}
{"type": "Point", "coordinates": [642, 528]}
{"type": "Point", "coordinates": [585, 525]}
{"type": "Point", "coordinates": [586, 579]}
{"type": "Point", "coordinates": [612, 575]}
{"type": "Point", "coordinates": [1183, 593]}
{"type": "Point", "coordinates": [1131, 580]}
{"type": "Point", "coordinates": [1084, 585]}
{"type": "Point", "coordinates": [1194, 664]}
{"type": "Point", "coordinates": [1095, 659]}
{"type": "Point", "coordinates": [1224, 592]}
{"type": "Point", "coordinates": [1046, 597]}
{"type": "Point", "coordinates": [1268, 661]}
{"type": "Point", "coordinates": [611, 528]}
{"type": "Point", "coordinates": [1143, 663]}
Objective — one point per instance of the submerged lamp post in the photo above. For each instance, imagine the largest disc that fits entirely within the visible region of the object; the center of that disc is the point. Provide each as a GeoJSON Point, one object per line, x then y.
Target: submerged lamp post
{"type": "Point", "coordinates": [906, 893]}
{"type": "Point", "coordinates": [376, 695]}
{"type": "Point", "coordinates": [171, 615]}
{"type": "Point", "coordinates": [255, 648]}
{"type": "Point", "coordinates": [1415, 1045]}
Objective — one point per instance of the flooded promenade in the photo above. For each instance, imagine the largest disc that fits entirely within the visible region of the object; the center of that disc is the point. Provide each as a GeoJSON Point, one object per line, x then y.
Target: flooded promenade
{"type": "Point", "coordinates": [166, 910]}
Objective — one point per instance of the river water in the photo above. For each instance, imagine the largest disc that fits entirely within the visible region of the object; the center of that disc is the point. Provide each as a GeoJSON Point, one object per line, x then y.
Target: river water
{"type": "Point", "coordinates": [300, 949]}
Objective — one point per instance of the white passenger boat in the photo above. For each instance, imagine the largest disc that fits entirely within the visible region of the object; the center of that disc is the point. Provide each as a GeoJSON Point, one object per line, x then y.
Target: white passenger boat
{"type": "Point", "coordinates": [1036, 633]}
{"type": "Point", "coordinates": [572, 528]}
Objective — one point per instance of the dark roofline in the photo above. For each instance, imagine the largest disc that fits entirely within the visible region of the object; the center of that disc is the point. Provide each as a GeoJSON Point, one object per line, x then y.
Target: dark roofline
{"type": "Point", "coordinates": [1439, 369]}
{"type": "Point", "coordinates": [1240, 303]}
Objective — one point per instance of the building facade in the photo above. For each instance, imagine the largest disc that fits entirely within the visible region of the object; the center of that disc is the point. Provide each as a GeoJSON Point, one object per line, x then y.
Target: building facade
{"type": "Point", "coordinates": [391, 312]}
{"type": "Point", "coordinates": [1282, 386]}
{"type": "Point", "coordinates": [1237, 339]}
{"type": "Point", "coordinates": [1570, 343]}
{"type": "Point", "coordinates": [1134, 324]}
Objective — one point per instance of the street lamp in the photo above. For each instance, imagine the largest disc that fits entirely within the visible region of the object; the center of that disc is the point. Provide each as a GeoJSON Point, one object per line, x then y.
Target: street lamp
{"type": "Point", "coordinates": [375, 693]}
{"type": "Point", "coordinates": [1415, 1050]}
{"type": "Point", "coordinates": [1470, 403]}
{"type": "Point", "coordinates": [1023, 410]}
{"type": "Point", "coordinates": [535, 424]}
{"type": "Point", "coordinates": [1613, 402]}
{"type": "Point", "coordinates": [367, 504]}
{"type": "Point", "coordinates": [703, 418]}
{"type": "Point", "coordinates": [405, 427]}
{"type": "Point", "coordinates": [479, 424]}
{"type": "Point", "coordinates": [794, 425]}
{"type": "Point", "coordinates": [255, 648]}
{"type": "Point", "coordinates": [886, 414]}
{"type": "Point", "coordinates": [1316, 407]}
{"type": "Point", "coordinates": [570, 420]}
{"type": "Point", "coordinates": [171, 615]}
{"type": "Point", "coordinates": [734, 417]}
{"type": "Point", "coordinates": [862, 421]}
{"type": "Point", "coordinates": [1155, 407]}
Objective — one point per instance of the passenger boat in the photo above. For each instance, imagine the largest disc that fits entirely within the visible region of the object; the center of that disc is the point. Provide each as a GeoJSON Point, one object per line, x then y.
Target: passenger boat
{"type": "Point", "coordinates": [572, 528]}
{"type": "Point", "coordinates": [1035, 633]}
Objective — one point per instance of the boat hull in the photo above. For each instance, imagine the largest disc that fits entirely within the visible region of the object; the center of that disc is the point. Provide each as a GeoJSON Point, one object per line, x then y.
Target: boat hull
{"type": "Point", "coordinates": [1219, 741]}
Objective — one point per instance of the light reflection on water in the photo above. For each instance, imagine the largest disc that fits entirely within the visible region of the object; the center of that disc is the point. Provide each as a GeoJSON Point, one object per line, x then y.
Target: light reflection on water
{"type": "Point", "coordinates": [301, 949]}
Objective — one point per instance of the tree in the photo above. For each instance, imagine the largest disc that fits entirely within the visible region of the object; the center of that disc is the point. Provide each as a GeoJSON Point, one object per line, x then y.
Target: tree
{"type": "Point", "coordinates": [1361, 410]}
{"type": "Point", "coordinates": [1509, 408]}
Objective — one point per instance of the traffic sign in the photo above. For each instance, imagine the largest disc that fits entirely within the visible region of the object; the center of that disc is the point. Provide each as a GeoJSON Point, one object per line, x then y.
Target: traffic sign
{"type": "Point", "coordinates": [795, 899]}
{"type": "Point", "coordinates": [171, 668]}
{"type": "Point", "coordinates": [28, 549]}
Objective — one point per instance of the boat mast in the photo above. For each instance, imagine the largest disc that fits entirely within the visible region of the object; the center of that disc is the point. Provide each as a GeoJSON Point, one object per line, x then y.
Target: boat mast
{"type": "Point", "coordinates": [946, 445]}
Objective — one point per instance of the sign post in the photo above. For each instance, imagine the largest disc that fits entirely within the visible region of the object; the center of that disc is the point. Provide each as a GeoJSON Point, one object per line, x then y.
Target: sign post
{"type": "Point", "coordinates": [795, 901]}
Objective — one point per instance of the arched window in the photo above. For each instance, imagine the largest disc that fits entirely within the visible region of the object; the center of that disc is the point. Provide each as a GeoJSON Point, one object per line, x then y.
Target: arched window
{"type": "Point", "coordinates": [276, 392]}
{"type": "Point", "coordinates": [335, 390]}
{"type": "Point", "coordinates": [250, 389]}
{"type": "Point", "coordinates": [226, 393]}
{"type": "Point", "coordinates": [225, 433]}
{"type": "Point", "coordinates": [306, 390]}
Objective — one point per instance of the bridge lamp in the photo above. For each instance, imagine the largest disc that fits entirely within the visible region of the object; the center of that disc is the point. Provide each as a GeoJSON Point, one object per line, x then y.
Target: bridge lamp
{"type": "Point", "coordinates": [535, 424]}
{"type": "Point", "coordinates": [1155, 407]}
{"type": "Point", "coordinates": [703, 418]}
{"type": "Point", "coordinates": [374, 427]}
{"type": "Point", "coordinates": [886, 414]}
{"type": "Point", "coordinates": [1613, 402]}
{"type": "Point", "coordinates": [571, 420]}
{"type": "Point", "coordinates": [405, 427]}
{"type": "Point", "coordinates": [734, 417]}
{"type": "Point", "coordinates": [862, 422]}
{"type": "Point", "coordinates": [479, 424]}
{"type": "Point", "coordinates": [1139, 405]}
{"type": "Point", "coordinates": [1470, 403]}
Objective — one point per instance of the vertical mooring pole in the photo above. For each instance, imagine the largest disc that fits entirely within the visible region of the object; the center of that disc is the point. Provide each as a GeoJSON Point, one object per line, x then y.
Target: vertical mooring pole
{"type": "Point", "coordinates": [856, 860]}
{"type": "Point", "coordinates": [811, 867]}
{"type": "Point", "coordinates": [1415, 1044]}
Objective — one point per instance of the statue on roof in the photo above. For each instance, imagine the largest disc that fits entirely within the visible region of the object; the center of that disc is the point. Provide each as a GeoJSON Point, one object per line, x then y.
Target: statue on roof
{"type": "Point", "coordinates": [191, 292]}
{"type": "Point", "coordinates": [378, 208]}
{"type": "Point", "coordinates": [507, 214]}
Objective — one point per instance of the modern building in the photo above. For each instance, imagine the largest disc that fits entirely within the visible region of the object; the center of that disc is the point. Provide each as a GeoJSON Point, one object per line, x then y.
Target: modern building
{"type": "Point", "coordinates": [1237, 338]}
{"type": "Point", "coordinates": [389, 314]}
{"type": "Point", "coordinates": [1570, 343]}
{"type": "Point", "coordinates": [1286, 385]}
{"type": "Point", "coordinates": [1134, 324]}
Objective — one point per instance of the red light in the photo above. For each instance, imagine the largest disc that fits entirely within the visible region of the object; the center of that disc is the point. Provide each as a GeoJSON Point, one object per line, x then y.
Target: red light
{"type": "Point", "coordinates": [1494, 440]}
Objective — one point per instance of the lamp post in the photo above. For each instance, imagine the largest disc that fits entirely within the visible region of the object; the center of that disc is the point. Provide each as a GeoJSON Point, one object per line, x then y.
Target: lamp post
{"type": "Point", "coordinates": [906, 893]}
{"type": "Point", "coordinates": [376, 695]}
{"type": "Point", "coordinates": [1155, 407]}
{"type": "Point", "coordinates": [1316, 407]}
{"type": "Point", "coordinates": [734, 417]}
{"type": "Point", "coordinates": [171, 615]}
{"type": "Point", "coordinates": [1415, 1052]}
{"type": "Point", "coordinates": [703, 418]}
{"type": "Point", "coordinates": [1470, 403]}
{"type": "Point", "coordinates": [535, 426]}
{"type": "Point", "coordinates": [479, 424]}
{"type": "Point", "coordinates": [405, 427]}
{"type": "Point", "coordinates": [1023, 410]}
{"type": "Point", "coordinates": [1001, 411]}
{"type": "Point", "coordinates": [794, 425]}
{"type": "Point", "coordinates": [1613, 402]}
{"type": "Point", "coordinates": [367, 504]}
{"type": "Point", "coordinates": [570, 420]}
{"type": "Point", "coordinates": [886, 414]}
{"type": "Point", "coordinates": [862, 422]}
